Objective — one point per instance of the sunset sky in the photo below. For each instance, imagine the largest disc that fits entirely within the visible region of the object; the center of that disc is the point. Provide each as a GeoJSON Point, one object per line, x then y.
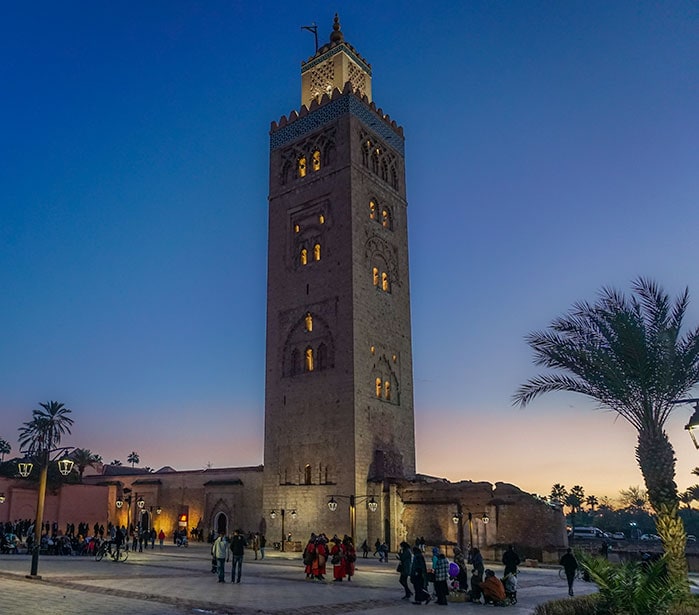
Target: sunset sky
{"type": "Point", "coordinates": [552, 148]}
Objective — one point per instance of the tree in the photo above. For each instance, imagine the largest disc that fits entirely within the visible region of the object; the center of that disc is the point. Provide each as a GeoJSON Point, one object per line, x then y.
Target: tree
{"type": "Point", "coordinates": [592, 502]}
{"type": "Point", "coordinates": [5, 449]}
{"type": "Point", "coordinates": [558, 494]}
{"type": "Point", "coordinates": [133, 458]}
{"type": "Point", "coordinates": [686, 498]}
{"type": "Point", "coordinates": [633, 498]}
{"type": "Point", "coordinates": [84, 458]}
{"type": "Point", "coordinates": [116, 462]}
{"type": "Point", "coordinates": [629, 355]}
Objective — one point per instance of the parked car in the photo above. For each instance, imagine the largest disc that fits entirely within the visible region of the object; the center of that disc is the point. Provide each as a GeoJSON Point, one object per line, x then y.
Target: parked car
{"type": "Point", "coordinates": [619, 536]}
{"type": "Point", "coordinates": [587, 533]}
{"type": "Point", "coordinates": [691, 538]}
{"type": "Point", "coordinates": [650, 537]}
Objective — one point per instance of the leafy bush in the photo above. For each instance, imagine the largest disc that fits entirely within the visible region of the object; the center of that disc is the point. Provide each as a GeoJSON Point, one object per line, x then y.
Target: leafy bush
{"type": "Point", "coordinates": [580, 605]}
{"type": "Point", "coordinates": [633, 588]}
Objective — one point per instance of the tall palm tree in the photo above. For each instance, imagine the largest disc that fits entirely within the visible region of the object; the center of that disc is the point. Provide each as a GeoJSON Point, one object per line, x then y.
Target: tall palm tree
{"type": "Point", "coordinates": [558, 494]}
{"type": "Point", "coordinates": [5, 449]}
{"type": "Point", "coordinates": [133, 458]}
{"type": "Point", "coordinates": [628, 354]}
{"type": "Point", "coordinates": [592, 502]}
{"type": "Point", "coordinates": [84, 458]}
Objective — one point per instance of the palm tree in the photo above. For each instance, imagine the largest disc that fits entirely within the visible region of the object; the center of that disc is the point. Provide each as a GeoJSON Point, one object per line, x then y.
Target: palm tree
{"type": "Point", "coordinates": [634, 498]}
{"type": "Point", "coordinates": [686, 498]}
{"type": "Point", "coordinates": [5, 449]}
{"type": "Point", "coordinates": [133, 458]}
{"type": "Point", "coordinates": [629, 356]}
{"type": "Point", "coordinates": [558, 494]}
{"type": "Point", "coordinates": [592, 502]}
{"type": "Point", "coordinates": [84, 458]}
{"type": "Point", "coordinates": [38, 438]}
{"type": "Point", "coordinates": [116, 462]}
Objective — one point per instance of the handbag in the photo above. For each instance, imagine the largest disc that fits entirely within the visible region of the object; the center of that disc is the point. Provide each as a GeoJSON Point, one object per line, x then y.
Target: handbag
{"type": "Point", "coordinates": [335, 559]}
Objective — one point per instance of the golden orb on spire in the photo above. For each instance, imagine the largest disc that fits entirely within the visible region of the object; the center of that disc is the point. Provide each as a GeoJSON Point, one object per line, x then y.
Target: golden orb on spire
{"type": "Point", "coordinates": [336, 36]}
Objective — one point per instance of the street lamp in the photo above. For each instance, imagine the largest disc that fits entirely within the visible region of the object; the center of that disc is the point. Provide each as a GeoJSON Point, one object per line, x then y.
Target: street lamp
{"type": "Point", "coordinates": [65, 466]}
{"type": "Point", "coordinates": [458, 516]}
{"type": "Point", "coordinates": [694, 419]}
{"type": "Point", "coordinates": [2, 498]}
{"type": "Point", "coordinates": [372, 505]}
{"type": "Point", "coordinates": [273, 515]}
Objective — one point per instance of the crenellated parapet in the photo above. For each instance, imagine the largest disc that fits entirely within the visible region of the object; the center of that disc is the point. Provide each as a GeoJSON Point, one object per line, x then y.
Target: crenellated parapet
{"type": "Point", "coordinates": [331, 106]}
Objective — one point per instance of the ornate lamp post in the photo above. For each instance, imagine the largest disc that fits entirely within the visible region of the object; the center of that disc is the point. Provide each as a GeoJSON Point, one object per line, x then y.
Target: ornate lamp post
{"type": "Point", "coordinates": [65, 467]}
{"type": "Point", "coordinates": [458, 516]}
{"type": "Point", "coordinates": [372, 505]}
{"type": "Point", "coordinates": [282, 511]}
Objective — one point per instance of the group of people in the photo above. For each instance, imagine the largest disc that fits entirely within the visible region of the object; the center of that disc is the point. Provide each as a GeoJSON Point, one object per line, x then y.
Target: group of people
{"type": "Point", "coordinates": [225, 549]}
{"type": "Point", "coordinates": [484, 584]}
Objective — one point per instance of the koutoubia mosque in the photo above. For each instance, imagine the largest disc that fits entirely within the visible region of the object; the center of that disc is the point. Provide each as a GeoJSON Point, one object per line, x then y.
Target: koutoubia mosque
{"type": "Point", "coordinates": [339, 440]}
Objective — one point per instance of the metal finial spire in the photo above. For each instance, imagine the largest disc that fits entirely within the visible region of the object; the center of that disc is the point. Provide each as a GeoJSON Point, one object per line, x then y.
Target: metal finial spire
{"type": "Point", "coordinates": [336, 36]}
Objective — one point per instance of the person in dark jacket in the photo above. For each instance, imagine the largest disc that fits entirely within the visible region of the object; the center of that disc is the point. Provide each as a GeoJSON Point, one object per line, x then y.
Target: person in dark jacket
{"type": "Point", "coordinates": [511, 560]}
{"type": "Point", "coordinates": [570, 567]}
{"type": "Point", "coordinates": [238, 544]}
{"type": "Point", "coordinates": [406, 560]}
{"type": "Point", "coordinates": [418, 577]}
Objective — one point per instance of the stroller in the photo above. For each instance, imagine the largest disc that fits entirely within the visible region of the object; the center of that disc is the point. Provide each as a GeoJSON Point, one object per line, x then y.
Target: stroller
{"type": "Point", "coordinates": [510, 583]}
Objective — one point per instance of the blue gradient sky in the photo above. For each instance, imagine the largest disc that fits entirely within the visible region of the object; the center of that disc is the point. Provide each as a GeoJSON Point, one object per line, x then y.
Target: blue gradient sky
{"type": "Point", "coordinates": [552, 148]}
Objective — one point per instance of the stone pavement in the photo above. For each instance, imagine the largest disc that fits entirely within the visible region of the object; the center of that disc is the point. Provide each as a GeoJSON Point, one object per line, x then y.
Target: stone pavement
{"type": "Point", "coordinates": [178, 581]}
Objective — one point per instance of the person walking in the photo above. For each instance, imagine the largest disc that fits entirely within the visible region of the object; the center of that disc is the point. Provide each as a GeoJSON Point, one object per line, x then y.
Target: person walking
{"type": "Point", "coordinates": [256, 543]}
{"type": "Point", "coordinates": [441, 575]}
{"type": "Point", "coordinates": [418, 577]}
{"type": "Point", "coordinates": [219, 551]}
{"type": "Point", "coordinates": [263, 544]}
{"type": "Point", "coordinates": [337, 559]}
{"type": "Point", "coordinates": [511, 560]}
{"type": "Point", "coordinates": [161, 538]}
{"type": "Point", "coordinates": [405, 557]}
{"type": "Point", "coordinates": [350, 556]}
{"type": "Point", "coordinates": [238, 544]}
{"type": "Point", "coordinates": [365, 549]}
{"type": "Point", "coordinates": [570, 567]}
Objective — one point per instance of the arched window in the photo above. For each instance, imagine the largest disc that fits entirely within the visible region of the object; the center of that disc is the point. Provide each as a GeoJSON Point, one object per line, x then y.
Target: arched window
{"type": "Point", "coordinates": [384, 170]}
{"type": "Point", "coordinates": [322, 356]}
{"type": "Point", "coordinates": [387, 390]}
{"type": "Point", "coordinates": [316, 252]}
{"type": "Point", "coordinates": [297, 228]}
{"type": "Point", "coordinates": [394, 178]}
{"type": "Point", "coordinates": [384, 282]}
{"type": "Point", "coordinates": [316, 160]}
{"type": "Point", "coordinates": [321, 219]}
{"type": "Point", "coordinates": [386, 219]}
{"type": "Point", "coordinates": [307, 474]}
{"type": "Point", "coordinates": [309, 359]}
{"type": "Point", "coordinates": [366, 146]}
{"type": "Point", "coordinates": [372, 210]}
{"type": "Point", "coordinates": [309, 322]}
{"type": "Point", "coordinates": [302, 166]}
{"type": "Point", "coordinates": [375, 161]}
{"type": "Point", "coordinates": [375, 273]}
{"type": "Point", "coordinates": [378, 388]}
{"type": "Point", "coordinates": [304, 256]}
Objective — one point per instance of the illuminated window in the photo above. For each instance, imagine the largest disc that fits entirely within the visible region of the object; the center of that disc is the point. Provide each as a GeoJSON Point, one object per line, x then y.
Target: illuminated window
{"type": "Point", "coordinates": [372, 210]}
{"type": "Point", "coordinates": [375, 272]}
{"type": "Point", "coordinates": [394, 358]}
{"type": "Point", "coordinates": [387, 390]}
{"type": "Point", "coordinates": [297, 228]}
{"type": "Point", "coordinates": [309, 322]}
{"type": "Point", "coordinates": [384, 281]}
{"type": "Point", "coordinates": [321, 219]}
{"type": "Point", "coordinates": [385, 219]}
{"type": "Point", "coordinates": [304, 256]}
{"type": "Point", "coordinates": [316, 252]}
{"type": "Point", "coordinates": [307, 474]}
{"type": "Point", "coordinates": [378, 388]}
{"type": "Point", "coordinates": [302, 166]}
{"type": "Point", "coordinates": [309, 359]}
{"type": "Point", "coordinates": [316, 160]}
{"type": "Point", "coordinates": [373, 350]}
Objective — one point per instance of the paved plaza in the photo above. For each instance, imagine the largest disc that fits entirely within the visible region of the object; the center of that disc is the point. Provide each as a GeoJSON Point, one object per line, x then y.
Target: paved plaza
{"type": "Point", "coordinates": [178, 581]}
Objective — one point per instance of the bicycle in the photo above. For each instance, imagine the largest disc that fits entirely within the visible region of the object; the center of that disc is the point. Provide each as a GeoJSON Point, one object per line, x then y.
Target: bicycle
{"type": "Point", "coordinates": [119, 555]}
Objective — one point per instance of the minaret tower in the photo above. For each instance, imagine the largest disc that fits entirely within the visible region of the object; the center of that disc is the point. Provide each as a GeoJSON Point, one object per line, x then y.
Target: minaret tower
{"type": "Point", "coordinates": [339, 385]}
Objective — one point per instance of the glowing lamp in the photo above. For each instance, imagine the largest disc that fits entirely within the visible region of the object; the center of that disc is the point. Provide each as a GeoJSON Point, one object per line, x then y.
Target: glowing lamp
{"type": "Point", "coordinates": [65, 466]}
{"type": "Point", "coordinates": [332, 504]}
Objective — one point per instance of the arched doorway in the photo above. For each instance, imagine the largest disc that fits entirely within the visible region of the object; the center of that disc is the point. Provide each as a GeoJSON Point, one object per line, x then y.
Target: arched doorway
{"type": "Point", "coordinates": [145, 520]}
{"type": "Point", "coordinates": [221, 523]}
